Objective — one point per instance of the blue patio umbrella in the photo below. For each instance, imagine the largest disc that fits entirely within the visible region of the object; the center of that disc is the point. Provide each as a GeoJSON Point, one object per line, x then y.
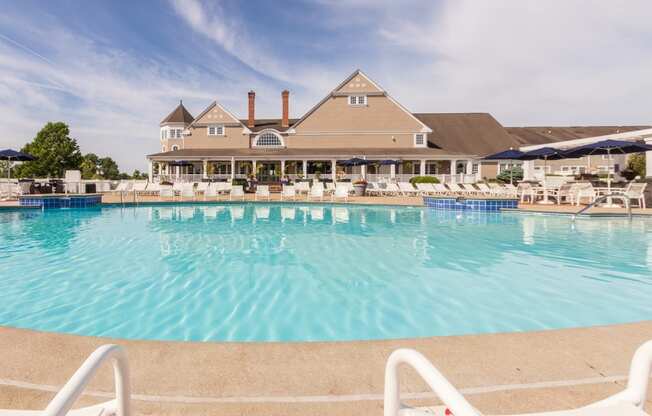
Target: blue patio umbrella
{"type": "Point", "coordinates": [14, 156]}
{"type": "Point", "coordinates": [388, 162]}
{"type": "Point", "coordinates": [356, 161]}
{"type": "Point", "coordinates": [608, 147]}
{"type": "Point", "coordinates": [510, 155]}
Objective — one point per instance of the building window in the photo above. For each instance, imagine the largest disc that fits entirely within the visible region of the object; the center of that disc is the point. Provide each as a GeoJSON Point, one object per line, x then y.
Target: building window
{"type": "Point", "coordinates": [357, 100]}
{"type": "Point", "coordinates": [268, 139]}
{"type": "Point", "coordinates": [420, 140]}
{"type": "Point", "coordinates": [216, 130]}
{"type": "Point", "coordinates": [163, 136]}
{"type": "Point", "coordinates": [175, 147]}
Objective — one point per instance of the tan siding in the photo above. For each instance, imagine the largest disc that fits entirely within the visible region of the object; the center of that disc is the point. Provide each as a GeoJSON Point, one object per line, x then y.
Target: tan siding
{"type": "Point", "coordinates": [232, 139]}
{"type": "Point", "coordinates": [217, 116]}
{"type": "Point", "coordinates": [380, 114]}
{"type": "Point", "coordinates": [168, 143]}
{"type": "Point", "coordinates": [359, 84]}
{"type": "Point", "coordinates": [489, 170]}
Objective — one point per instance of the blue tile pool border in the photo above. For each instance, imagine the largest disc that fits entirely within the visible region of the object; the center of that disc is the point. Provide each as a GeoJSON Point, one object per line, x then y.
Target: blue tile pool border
{"type": "Point", "coordinates": [469, 204]}
{"type": "Point", "coordinates": [50, 201]}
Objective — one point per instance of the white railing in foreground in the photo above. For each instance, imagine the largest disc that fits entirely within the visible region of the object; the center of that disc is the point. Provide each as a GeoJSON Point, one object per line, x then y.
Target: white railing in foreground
{"type": "Point", "coordinates": [70, 392]}
{"type": "Point", "coordinates": [634, 394]}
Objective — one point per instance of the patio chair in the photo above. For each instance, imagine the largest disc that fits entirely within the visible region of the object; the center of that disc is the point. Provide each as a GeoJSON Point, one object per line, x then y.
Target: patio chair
{"type": "Point", "coordinates": [302, 187]}
{"type": "Point", "coordinates": [201, 188]}
{"type": "Point", "coordinates": [485, 190]}
{"type": "Point", "coordinates": [166, 191]}
{"type": "Point", "coordinates": [330, 188]}
{"type": "Point", "coordinates": [406, 188]}
{"type": "Point", "coordinates": [374, 188]}
{"type": "Point", "coordinates": [288, 192]}
{"type": "Point", "coordinates": [211, 191]}
{"type": "Point", "coordinates": [585, 191]}
{"type": "Point", "coordinates": [63, 401]}
{"type": "Point", "coordinates": [636, 191]}
{"type": "Point", "coordinates": [629, 402]}
{"type": "Point", "coordinates": [187, 191]}
{"type": "Point", "coordinates": [139, 188]}
{"type": "Point", "coordinates": [392, 189]}
{"type": "Point", "coordinates": [526, 191]}
{"type": "Point", "coordinates": [262, 191]}
{"type": "Point", "coordinates": [441, 189]}
{"type": "Point", "coordinates": [316, 191]}
{"type": "Point", "coordinates": [177, 187]}
{"type": "Point", "coordinates": [237, 192]}
{"type": "Point", "coordinates": [425, 189]}
{"type": "Point", "coordinates": [457, 189]}
{"type": "Point", "coordinates": [341, 192]}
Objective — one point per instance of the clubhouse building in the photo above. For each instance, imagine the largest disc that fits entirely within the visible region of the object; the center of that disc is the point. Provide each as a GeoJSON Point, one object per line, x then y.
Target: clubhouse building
{"type": "Point", "coordinates": [357, 119]}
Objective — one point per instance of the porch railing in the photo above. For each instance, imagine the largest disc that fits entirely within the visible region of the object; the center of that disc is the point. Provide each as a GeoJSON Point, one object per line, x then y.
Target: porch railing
{"type": "Point", "coordinates": [443, 178]}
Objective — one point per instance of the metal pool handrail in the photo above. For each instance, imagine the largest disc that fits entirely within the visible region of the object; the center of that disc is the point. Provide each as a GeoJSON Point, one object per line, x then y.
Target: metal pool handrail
{"type": "Point", "coordinates": [64, 400]}
{"type": "Point", "coordinates": [600, 199]}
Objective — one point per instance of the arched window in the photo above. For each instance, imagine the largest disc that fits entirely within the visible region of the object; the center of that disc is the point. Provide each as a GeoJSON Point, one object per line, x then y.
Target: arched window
{"type": "Point", "coordinates": [268, 139]}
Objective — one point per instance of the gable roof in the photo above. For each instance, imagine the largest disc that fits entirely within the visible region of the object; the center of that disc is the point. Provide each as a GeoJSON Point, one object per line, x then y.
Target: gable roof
{"type": "Point", "coordinates": [468, 133]}
{"type": "Point", "coordinates": [179, 115]}
{"type": "Point", "coordinates": [355, 73]}
{"type": "Point", "coordinates": [214, 104]}
{"type": "Point", "coordinates": [543, 135]}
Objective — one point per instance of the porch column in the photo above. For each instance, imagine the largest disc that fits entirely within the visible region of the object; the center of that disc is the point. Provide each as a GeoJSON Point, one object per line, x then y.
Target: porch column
{"type": "Point", "coordinates": [528, 170]}
{"type": "Point", "coordinates": [205, 169]}
{"type": "Point", "coordinates": [282, 168]}
{"type": "Point", "coordinates": [178, 171]}
{"type": "Point", "coordinates": [363, 171]}
{"type": "Point", "coordinates": [469, 167]}
{"type": "Point", "coordinates": [253, 168]}
{"type": "Point", "coordinates": [334, 169]}
{"type": "Point", "coordinates": [150, 170]}
{"type": "Point", "coordinates": [648, 160]}
{"type": "Point", "coordinates": [422, 167]}
{"type": "Point", "coordinates": [392, 171]}
{"type": "Point", "coordinates": [305, 168]}
{"type": "Point", "coordinates": [232, 168]}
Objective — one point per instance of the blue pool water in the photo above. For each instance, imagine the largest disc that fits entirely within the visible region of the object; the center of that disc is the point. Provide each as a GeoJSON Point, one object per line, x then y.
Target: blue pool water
{"type": "Point", "coordinates": [308, 273]}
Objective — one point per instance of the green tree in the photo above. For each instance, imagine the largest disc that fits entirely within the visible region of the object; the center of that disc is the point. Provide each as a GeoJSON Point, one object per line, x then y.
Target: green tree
{"type": "Point", "coordinates": [90, 166]}
{"type": "Point", "coordinates": [636, 163]}
{"type": "Point", "coordinates": [55, 152]}
{"type": "Point", "coordinates": [139, 175]}
{"type": "Point", "coordinates": [108, 168]}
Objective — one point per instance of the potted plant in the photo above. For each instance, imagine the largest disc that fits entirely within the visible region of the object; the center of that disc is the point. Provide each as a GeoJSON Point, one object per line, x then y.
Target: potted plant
{"type": "Point", "coordinates": [360, 187]}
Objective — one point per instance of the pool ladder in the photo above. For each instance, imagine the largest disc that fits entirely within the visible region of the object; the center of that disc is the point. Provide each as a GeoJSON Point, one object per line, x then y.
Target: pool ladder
{"type": "Point", "coordinates": [601, 199]}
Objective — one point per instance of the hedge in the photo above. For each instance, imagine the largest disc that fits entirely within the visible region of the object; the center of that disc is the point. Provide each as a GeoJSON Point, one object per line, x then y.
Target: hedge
{"type": "Point", "coordinates": [423, 179]}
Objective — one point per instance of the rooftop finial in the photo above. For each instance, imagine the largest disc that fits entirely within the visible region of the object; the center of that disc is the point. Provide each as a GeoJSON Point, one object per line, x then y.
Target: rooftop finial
{"type": "Point", "coordinates": [180, 102]}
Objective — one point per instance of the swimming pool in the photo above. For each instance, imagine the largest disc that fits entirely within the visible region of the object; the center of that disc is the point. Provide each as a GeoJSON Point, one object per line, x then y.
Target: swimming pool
{"type": "Point", "coordinates": [246, 272]}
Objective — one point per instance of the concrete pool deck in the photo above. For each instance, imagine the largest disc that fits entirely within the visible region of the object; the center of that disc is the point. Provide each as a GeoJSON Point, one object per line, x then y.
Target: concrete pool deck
{"type": "Point", "coordinates": [498, 373]}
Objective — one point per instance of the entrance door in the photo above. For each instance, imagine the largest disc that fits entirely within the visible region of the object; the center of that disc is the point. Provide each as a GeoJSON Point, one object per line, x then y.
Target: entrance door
{"type": "Point", "coordinates": [269, 171]}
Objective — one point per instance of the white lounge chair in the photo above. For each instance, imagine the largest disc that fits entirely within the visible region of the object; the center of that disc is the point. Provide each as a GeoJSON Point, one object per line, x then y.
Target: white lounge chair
{"type": "Point", "coordinates": [629, 402]}
{"type": "Point", "coordinates": [341, 192]}
{"type": "Point", "coordinates": [330, 188]}
{"type": "Point", "coordinates": [636, 191]}
{"type": "Point", "coordinates": [407, 189]}
{"type": "Point", "coordinates": [302, 187]}
{"type": "Point", "coordinates": [210, 192]}
{"type": "Point", "coordinates": [391, 189]}
{"type": "Point", "coordinates": [262, 191]}
{"type": "Point", "coordinates": [288, 192]}
{"type": "Point", "coordinates": [166, 191]}
{"type": "Point", "coordinates": [316, 192]}
{"type": "Point", "coordinates": [62, 403]}
{"type": "Point", "coordinates": [187, 191]}
{"type": "Point", "coordinates": [201, 188]}
{"type": "Point", "coordinates": [237, 192]}
{"type": "Point", "coordinates": [374, 188]}
{"type": "Point", "coordinates": [426, 189]}
{"type": "Point", "coordinates": [441, 189]}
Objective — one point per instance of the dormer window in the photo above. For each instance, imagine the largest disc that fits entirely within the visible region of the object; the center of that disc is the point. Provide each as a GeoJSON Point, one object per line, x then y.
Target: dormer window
{"type": "Point", "coordinates": [171, 133]}
{"type": "Point", "coordinates": [357, 100]}
{"type": "Point", "coordinates": [216, 130]}
{"type": "Point", "coordinates": [420, 140]}
{"type": "Point", "coordinates": [268, 139]}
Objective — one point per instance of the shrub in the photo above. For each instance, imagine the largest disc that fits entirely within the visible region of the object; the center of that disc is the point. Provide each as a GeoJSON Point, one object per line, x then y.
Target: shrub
{"type": "Point", "coordinates": [423, 179]}
{"type": "Point", "coordinates": [636, 163]}
{"type": "Point", "coordinates": [515, 173]}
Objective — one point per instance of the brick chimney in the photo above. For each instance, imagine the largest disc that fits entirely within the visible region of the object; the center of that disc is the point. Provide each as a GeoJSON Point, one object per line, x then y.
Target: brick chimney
{"type": "Point", "coordinates": [285, 97]}
{"type": "Point", "coordinates": [252, 108]}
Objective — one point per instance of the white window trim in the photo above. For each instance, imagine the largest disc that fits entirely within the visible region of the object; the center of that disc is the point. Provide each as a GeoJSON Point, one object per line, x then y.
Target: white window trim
{"type": "Point", "coordinates": [259, 135]}
{"type": "Point", "coordinates": [357, 99]}
{"type": "Point", "coordinates": [425, 140]}
{"type": "Point", "coordinates": [215, 126]}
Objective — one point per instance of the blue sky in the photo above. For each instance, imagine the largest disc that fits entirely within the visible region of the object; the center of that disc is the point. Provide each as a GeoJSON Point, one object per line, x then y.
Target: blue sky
{"type": "Point", "coordinates": [114, 69]}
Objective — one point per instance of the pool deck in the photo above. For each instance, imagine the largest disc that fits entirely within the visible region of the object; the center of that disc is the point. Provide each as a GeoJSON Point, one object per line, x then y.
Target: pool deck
{"type": "Point", "coordinates": [498, 373]}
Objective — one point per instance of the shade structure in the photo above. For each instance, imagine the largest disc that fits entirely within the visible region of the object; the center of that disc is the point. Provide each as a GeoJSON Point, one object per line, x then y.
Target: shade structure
{"type": "Point", "coordinates": [356, 161]}
{"type": "Point", "coordinates": [388, 162]}
{"type": "Point", "coordinates": [608, 147]}
{"type": "Point", "coordinates": [510, 155]}
{"type": "Point", "coordinates": [14, 156]}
